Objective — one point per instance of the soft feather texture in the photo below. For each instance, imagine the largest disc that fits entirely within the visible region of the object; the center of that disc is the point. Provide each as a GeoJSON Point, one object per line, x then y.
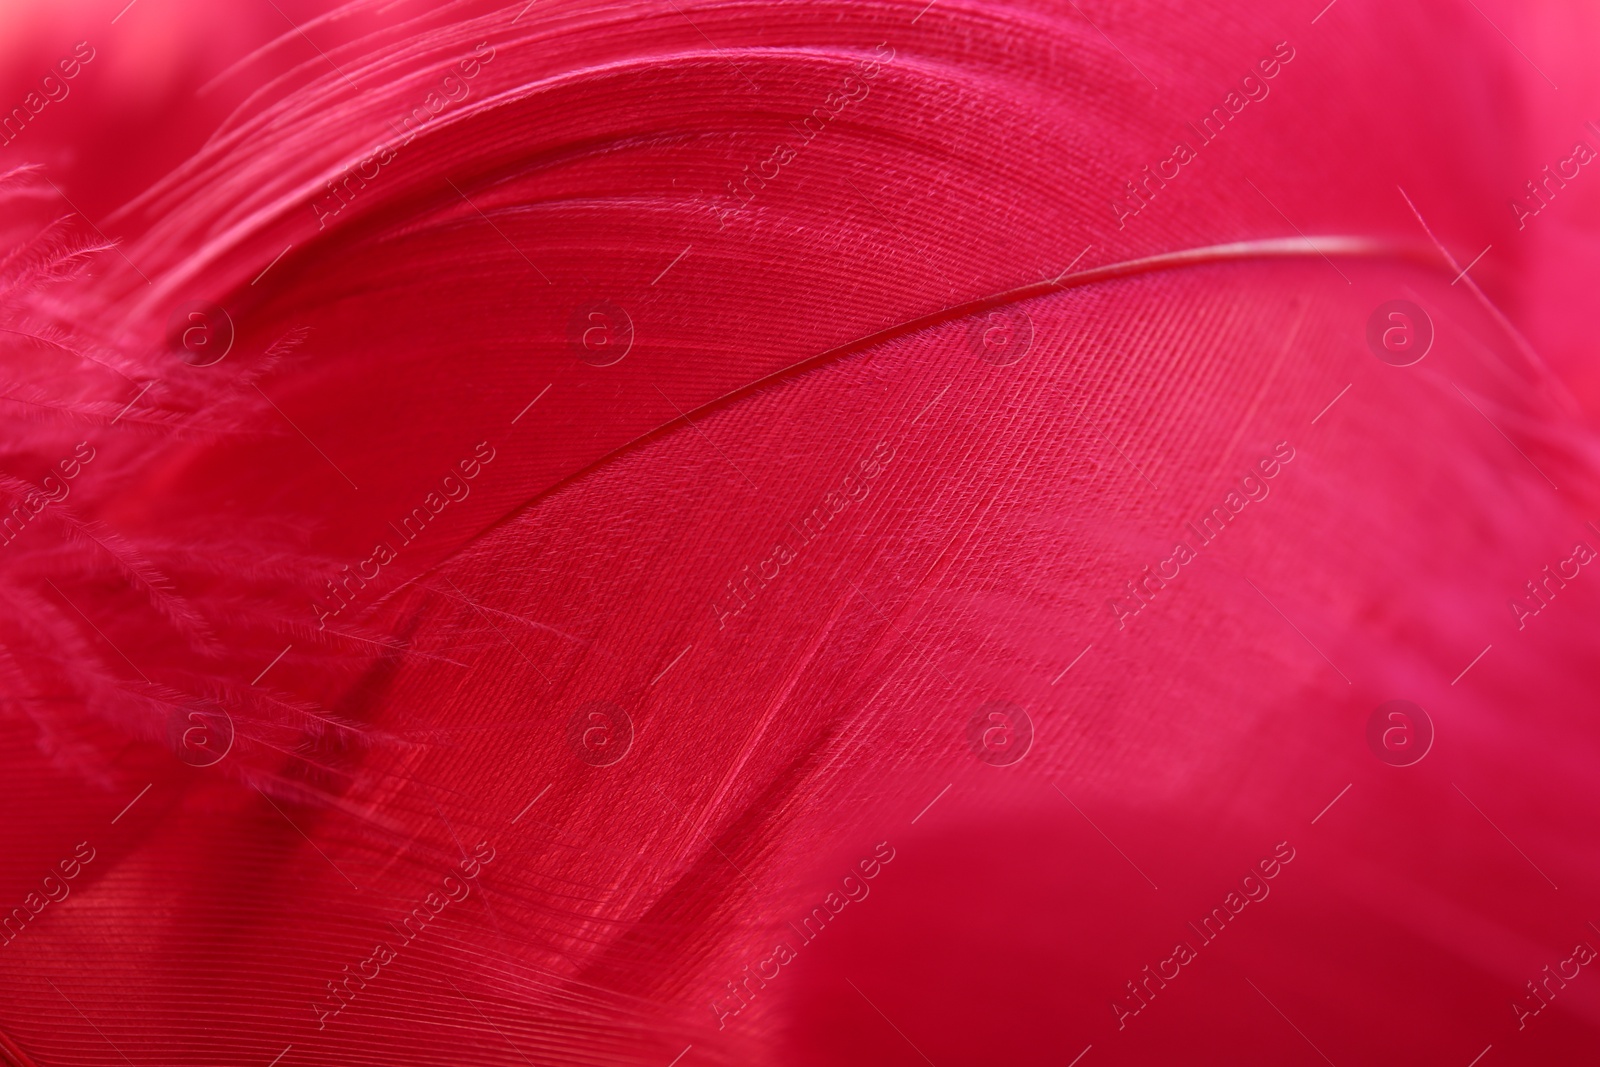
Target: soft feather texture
{"type": "Point", "coordinates": [930, 525]}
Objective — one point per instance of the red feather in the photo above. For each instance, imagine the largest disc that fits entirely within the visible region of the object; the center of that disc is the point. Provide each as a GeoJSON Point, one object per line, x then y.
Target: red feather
{"type": "Point", "coordinates": [798, 533]}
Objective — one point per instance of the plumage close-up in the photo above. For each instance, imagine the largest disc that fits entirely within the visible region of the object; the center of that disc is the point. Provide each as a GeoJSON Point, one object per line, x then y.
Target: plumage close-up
{"type": "Point", "coordinates": [678, 533]}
